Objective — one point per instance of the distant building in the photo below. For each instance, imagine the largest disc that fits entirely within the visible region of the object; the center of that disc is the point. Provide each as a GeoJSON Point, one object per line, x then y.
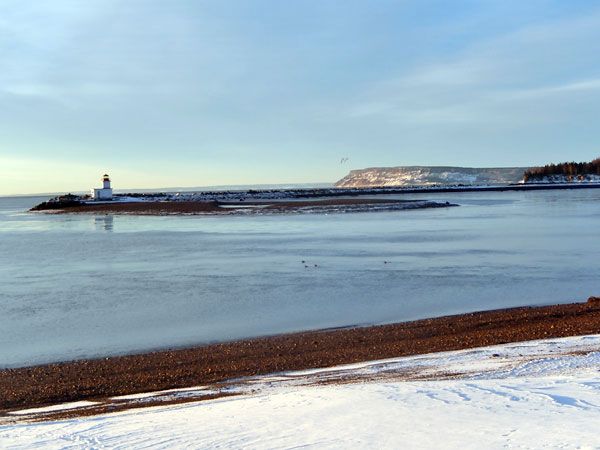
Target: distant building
{"type": "Point", "coordinates": [104, 193]}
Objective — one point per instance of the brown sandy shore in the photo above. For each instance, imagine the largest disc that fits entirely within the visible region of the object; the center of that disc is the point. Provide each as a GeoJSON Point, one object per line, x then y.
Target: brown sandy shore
{"type": "Point", "coordinates": [215, 207]}
{"type": "Point", "coordinates": [99, 379]}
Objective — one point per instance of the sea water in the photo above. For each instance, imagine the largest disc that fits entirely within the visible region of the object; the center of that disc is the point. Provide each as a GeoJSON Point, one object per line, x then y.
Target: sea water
{"type": "Point", "coordinates": [74, 286]}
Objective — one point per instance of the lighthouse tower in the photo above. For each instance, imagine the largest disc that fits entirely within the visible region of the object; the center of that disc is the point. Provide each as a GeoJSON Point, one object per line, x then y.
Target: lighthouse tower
{"type": "Point", "coordinates": [104, 193]}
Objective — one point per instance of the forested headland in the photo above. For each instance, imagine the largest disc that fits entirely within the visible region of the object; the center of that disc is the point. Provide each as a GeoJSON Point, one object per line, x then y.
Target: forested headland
{"type": "Point", "coordinates": [572, 171]}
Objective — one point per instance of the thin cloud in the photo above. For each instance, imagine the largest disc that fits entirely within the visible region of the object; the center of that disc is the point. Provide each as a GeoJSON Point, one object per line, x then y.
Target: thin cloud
{"type": "Point", "coordinates": [479, 84]}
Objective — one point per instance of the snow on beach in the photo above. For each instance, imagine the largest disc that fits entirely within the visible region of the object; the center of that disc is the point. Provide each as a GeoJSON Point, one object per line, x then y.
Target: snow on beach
{"type": "Point", "coordinates": [538, 394]}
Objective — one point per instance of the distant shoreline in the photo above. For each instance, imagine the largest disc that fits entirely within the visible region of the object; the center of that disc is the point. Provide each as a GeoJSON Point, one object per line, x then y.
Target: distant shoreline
{"type": "Point", "coordinates": [444, 189]}
{"type": "Point", "coordinates": [279, 200]}
{"type": "Point", "coordinates": [103, 378]}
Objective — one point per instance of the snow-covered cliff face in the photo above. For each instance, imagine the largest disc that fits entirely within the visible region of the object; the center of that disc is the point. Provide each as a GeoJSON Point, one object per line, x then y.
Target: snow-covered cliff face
{"type": "Point", "coordinates": [426, 176]}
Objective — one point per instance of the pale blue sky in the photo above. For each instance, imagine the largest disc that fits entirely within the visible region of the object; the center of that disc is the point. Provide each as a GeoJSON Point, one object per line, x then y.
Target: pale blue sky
{"type": "Point", "coordinates": [193, 93]}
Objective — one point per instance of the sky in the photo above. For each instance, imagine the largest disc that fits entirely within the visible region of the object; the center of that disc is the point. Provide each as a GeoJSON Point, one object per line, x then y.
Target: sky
{"type": "Point", "coordinates": [212, 92]}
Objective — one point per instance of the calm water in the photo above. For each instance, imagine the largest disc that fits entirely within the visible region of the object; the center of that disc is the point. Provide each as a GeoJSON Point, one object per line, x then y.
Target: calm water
{"type": "Point", "coordinates": [80, 286]}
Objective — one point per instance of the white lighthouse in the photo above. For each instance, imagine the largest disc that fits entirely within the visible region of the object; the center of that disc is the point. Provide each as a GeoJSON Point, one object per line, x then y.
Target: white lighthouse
{"type": "Point", "coordinates": [104, 193]}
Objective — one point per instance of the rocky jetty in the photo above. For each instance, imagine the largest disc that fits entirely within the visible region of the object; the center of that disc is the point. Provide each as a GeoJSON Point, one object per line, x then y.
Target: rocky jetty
{"type": "Point", "coordinates": [59, 203]}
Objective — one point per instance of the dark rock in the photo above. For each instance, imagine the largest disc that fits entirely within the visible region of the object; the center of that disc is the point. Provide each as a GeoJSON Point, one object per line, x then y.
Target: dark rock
{"type": "Point", "coordinates": [58, 203]}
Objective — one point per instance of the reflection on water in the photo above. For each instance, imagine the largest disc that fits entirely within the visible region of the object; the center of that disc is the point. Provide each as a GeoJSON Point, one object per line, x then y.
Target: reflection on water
{"type": "Point", "coordinates": [104, 223]}
{"type": "Point", "coordinates": [74, 285]}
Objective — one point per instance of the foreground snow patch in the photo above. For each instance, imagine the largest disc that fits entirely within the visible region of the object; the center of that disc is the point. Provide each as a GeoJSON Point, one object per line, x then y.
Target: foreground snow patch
{"type": "Point", "coordinates": [539, 395]}
{"type": "Point", "coordinates": [54, 408]}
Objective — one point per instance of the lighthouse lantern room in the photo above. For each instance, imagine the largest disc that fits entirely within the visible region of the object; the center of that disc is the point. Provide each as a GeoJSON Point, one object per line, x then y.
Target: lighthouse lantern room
{"type": "Point", "coordinates": [104, 193]}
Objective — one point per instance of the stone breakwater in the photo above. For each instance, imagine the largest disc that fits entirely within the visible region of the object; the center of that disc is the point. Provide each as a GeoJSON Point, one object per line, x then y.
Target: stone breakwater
{"type": "Point", "coordinates": [279, 195]}
{"type": "Point", "coordinates": [181, 207]}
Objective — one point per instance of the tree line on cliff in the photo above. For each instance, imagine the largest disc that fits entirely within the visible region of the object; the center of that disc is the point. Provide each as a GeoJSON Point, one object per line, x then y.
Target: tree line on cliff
{"type": "Point", "coordinates": [568, 169]}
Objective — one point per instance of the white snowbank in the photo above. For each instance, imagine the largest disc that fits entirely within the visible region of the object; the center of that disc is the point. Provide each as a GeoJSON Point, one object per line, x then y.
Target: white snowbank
{"type": "Point", "coordinates": [541, 394]}
{"type": "Point", "coordinates": [54, 408]}
{"type": "Point", "coordinates": [165, 392]}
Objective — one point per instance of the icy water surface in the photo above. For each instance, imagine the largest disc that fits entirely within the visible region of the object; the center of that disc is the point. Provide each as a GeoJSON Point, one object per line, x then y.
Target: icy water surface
{"type": "Point", "coordinates": [81, 286]}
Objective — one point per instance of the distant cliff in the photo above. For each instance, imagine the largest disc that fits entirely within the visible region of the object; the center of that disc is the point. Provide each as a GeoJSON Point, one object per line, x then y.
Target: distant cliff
{"type": "Point", "coordinates": [427, 176]}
